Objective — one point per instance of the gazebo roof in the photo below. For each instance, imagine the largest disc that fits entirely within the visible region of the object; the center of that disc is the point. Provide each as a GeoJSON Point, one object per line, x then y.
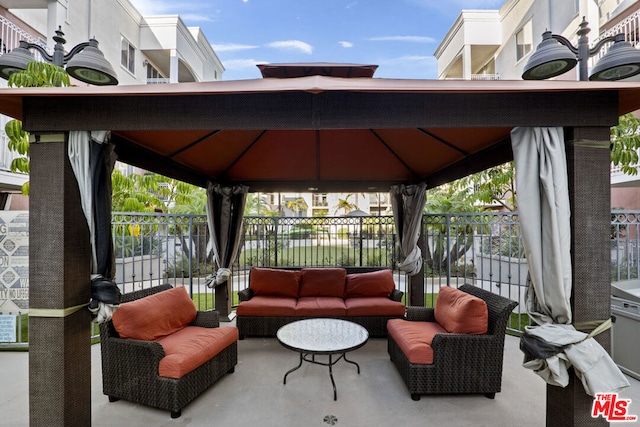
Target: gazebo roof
{"type": "Point", "coordinates": [319, 132]}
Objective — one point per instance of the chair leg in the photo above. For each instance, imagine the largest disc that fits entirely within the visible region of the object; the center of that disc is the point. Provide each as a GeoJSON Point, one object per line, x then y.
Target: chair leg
{"type": "Point", "coordinates": [113, 399]}
{"type": "Point", "coordinates": [415, 396]}
{"type": "Point", "coordinates": [490, 395]}
{"type": "Point", "coordinates": [232, 370]}
{"type": "Point", "coordinates": [176, 414]}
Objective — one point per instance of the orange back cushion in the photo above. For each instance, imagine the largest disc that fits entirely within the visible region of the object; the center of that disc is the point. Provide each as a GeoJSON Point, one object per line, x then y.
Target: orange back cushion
{"type": "Point", "coordinates": [373, 284]}
{"type": "Point", "coordinates": [274, 282]}
{"type": "Point", "coordinates": [155, 316]}
{"type": "Point", "coordinates": [322, 282]}
{"type": "Point", "coordinates": [461, 313]}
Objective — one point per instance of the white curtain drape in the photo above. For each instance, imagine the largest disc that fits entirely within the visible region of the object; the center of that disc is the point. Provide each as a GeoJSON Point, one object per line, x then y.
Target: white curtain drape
{"type": "Point", "coordinates": [225, 212]}
{"type": "Point", "coordinates": [92, 160]}
{"type": "Point", "coordinates": [544, 211]}
{"type": "Point", "coordinates": [408, 203]}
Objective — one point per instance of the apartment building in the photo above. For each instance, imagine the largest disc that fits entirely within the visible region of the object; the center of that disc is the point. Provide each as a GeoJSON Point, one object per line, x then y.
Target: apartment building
{"type": "Point", "coordinates": [496, 44]}
{"type": "Point", "coordinates": [142, 50]}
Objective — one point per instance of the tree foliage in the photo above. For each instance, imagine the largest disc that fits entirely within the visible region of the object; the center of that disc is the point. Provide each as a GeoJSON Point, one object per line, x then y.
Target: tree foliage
{"type": "Point", "coordinates": [37, 74]}
{"type": "Point", "coordinates": [625, 142]}
{"type": "Point", "coordinates": [256, 205]}
{"type": "Point", "coordinates": [151, 192]}
{"type": "Point", "coordinates": [345, 205]}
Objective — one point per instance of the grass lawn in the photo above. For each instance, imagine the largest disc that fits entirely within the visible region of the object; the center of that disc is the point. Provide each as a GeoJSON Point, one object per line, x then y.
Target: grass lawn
{"type": "Point", "coordinates": [300, 256]}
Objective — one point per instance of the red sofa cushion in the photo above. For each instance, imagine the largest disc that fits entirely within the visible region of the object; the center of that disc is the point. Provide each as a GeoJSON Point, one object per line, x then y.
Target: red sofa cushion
{"type": "Point", "coordinates": [373, 306]}
{"type": "Point", "coordinates": [267, 306]}
{"type": "Point", "coordinates": [373, 284]}
{"type": "Point", "coordinates": [322, 282]}
{"type": "Point", "coordinates": [192, 346]}
{"type": "Point", "coordinates": [274, 282]}
{"type": "Point", "coordinates": [155, 316]}
{"type": "Point", "coordinates": [415, 338]}
{"type": "Point", "coordinates": [461, 313]}
{"type": "Point", "coordinates": [321, 307]}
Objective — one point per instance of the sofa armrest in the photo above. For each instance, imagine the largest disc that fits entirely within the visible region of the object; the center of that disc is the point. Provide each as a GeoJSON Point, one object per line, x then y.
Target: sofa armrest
{"type": "Point", "coordinates": [396, 295]}
{"type": "Point", "coordinates": [245, 294]}
{"type": "Point", "coordinates": [421, 314]}
{"type": "Point", "coordinates": [135, 356]}
{"type": "Point", "coordinates": [207, 319]}
{"type": "Point", "coordinates": [480, 351]}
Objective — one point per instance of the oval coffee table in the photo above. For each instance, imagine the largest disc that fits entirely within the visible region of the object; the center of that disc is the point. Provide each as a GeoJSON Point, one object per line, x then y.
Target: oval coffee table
{"type": "Point", "coordinates": [311, 337]}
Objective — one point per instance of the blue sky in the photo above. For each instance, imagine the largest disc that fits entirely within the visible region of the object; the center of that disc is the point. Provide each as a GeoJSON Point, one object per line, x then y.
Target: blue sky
{"type": "Point", "coordinates": [399, 36]}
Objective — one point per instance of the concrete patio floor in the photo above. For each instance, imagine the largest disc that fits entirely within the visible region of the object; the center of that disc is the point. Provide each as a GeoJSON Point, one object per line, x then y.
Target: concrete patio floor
{"type": "Point", "coordinates": [254, 395]}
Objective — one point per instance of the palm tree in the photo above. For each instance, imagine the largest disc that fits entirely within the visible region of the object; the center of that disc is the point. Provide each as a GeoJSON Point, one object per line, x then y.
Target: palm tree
{"type": "Point", "coordinates": [345, 205]}
{"type": "Point", "coordinates": [257, 206]}
{"type": "Point", "coordinates": [297, 206]}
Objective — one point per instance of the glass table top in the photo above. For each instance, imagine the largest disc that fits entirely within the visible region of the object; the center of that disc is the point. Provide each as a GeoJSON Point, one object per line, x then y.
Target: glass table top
{"type": "Point", "coordinates": [322, 335]}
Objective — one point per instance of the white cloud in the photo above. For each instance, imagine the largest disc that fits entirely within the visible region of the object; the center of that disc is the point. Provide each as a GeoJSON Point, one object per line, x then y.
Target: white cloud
{"type": "Point", "coordinates": [153, 7]}
{"type": "Point", "coordinates": [292, 45]}
{"type": "Point", "coordinates": [230, 47]}
{"type": "Point", "coordinates": [411, 39]}
{"type": "Point", "coordinates": [241, 64]}
{"type": "Point", "coordinates": [345, 44]}
{"type": "Point", "coordinates": [189, 10]}
{"type": "Point", "coordinates": [195, 17]}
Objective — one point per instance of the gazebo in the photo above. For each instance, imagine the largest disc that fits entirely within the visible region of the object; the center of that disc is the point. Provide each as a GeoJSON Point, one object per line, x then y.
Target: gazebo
{"type": "Point", "coordinates": [315, 132]}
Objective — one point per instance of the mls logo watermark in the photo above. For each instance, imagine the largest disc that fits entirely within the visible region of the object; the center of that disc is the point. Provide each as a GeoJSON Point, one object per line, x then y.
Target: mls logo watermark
{"type": "Point", "coordinates": [612, 408]}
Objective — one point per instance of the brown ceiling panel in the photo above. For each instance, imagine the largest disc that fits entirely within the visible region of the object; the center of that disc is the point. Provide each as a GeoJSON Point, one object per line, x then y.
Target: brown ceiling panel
{"type": "Point", "coordinates": [214, 154]}
{"type": "Point", "coordinates": [278, 155]}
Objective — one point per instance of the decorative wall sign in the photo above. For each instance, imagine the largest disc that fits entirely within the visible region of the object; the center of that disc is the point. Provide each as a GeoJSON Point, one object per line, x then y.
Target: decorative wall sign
{"type": "Point", "coordinates": [14, 262]}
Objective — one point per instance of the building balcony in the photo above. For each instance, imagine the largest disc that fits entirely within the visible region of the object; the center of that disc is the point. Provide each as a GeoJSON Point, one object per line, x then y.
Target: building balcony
{"type": "Point", "coordinates": [469, 45]}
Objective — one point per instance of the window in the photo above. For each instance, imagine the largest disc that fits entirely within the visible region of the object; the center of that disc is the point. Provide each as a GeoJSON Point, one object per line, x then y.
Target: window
{"type": "Point", "coordinates": [128, 56]}
{"type": "Point", "coordinates": [320, 200]}
{"type": "Point", "coordinates": [524, 39]}
{"type": "Point", "coordinates": [154, 76]}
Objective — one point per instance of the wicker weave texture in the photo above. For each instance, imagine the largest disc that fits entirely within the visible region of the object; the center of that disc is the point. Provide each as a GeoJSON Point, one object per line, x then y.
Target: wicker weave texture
{"type": "Point", "coordinates": [130, 367]}
{"type": "Point", "coordinates": [462, 363]}
{"type": "Point", "coordinates": [267, 326]}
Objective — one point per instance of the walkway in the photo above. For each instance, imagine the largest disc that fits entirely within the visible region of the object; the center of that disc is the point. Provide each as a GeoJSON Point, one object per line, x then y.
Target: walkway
{"type": "Point", "coordinates": [254, 395]}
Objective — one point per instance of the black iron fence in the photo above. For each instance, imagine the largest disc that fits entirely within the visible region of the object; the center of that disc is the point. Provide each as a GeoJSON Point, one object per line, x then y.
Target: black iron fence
{"type": "Point", "coordinates": [479, 248]}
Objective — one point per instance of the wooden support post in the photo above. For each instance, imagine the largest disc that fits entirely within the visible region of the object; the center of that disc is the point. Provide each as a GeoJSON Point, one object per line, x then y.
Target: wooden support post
{"type": "Point", "coordinates": [59, 286]}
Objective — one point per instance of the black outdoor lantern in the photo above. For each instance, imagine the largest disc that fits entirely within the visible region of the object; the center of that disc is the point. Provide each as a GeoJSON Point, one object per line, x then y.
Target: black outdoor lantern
{"type": "Point", "coordinates": [556, 55]}
{"type": "Point", "coordinates": [85, 62]}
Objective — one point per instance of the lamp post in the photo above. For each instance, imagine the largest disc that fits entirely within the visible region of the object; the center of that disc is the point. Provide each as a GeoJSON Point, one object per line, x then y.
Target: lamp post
{"type": "Point", "coordinates": [556, 55]}
{"type": "Point", "coordinates": [85, 62]}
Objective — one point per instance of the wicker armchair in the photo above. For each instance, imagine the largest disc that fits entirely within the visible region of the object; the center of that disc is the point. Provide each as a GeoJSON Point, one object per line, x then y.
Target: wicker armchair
{"type": "Point", "coordinates": [130, 366]}
{"type": "Point", "coordinates": [462, 363]}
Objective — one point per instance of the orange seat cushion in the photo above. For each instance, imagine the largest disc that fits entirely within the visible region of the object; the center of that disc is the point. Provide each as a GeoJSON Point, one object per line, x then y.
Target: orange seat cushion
{"type": "Point", "coordinates": [321, 307]}
{"type": "Point", "coordinates": [155, 316]}
{"type": "Point", "coordinates": [274, 282]}
{"type": "Point", "coordinates": [373, 306]}
{"type": "Point", "coordinates": [192, 346]}
{"type": "Point", "coordinates": [267, 306]}
{"type": "Point", "coordinates": [415, 338]}
{"type": "Point", "coordinates": [373, 284]}
{"type": "Point", "coordinates": [461, 313]}
{"type": "Point", "coordinates": [322, 282]}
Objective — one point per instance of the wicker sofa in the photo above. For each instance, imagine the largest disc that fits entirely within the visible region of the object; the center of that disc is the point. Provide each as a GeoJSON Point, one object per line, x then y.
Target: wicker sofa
{"type": "Point", "coordinates": [457, 347]}
{"type": "Point", "coordinates": [275, 297]}
{"type": "Point", "coordinates": [158, 351]}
